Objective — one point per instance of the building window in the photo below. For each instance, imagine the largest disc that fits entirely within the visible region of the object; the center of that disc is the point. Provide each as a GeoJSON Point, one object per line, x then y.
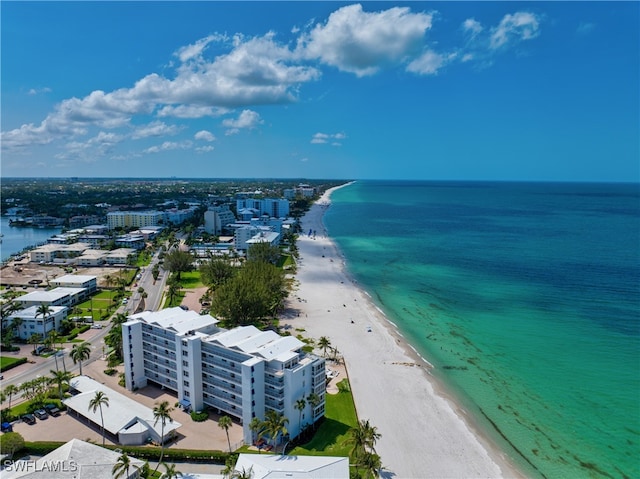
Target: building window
{"type": "Point", "coordinates": [185, 353]}
{"type": "Point", "coordinates": [185, 374]}
{"type": "Point", "coordinates": [185, 383]}
{"type": "Point", "coordinates": [186, 394]}
{"type": "Point", "coordinates": [185, 363]}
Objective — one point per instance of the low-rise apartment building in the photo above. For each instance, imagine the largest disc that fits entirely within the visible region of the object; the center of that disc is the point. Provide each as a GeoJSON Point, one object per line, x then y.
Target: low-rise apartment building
{"type": "Point", "coordinates": [90, 283]}
{"type": "Point", "coordinates": [30, 321]}
{"type": "Point", "coordinates": [242, 372]}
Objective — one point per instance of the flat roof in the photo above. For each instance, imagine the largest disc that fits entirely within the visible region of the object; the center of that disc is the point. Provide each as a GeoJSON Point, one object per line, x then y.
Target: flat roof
{"type": "Point", "coordinates": [275, 466]}
{"type": "Point", "coordinates": [266, 344]}
{"type": "Point", "coordinates": [176, 319]}
{"type": "Point", "coordinates": [31, 311]}
{"type": "Point", "coordinates": [74, 278]}
{"type": "Point", "coordinates": [122, 412]}
{"type": "Point", "coordinates": [49, 296]}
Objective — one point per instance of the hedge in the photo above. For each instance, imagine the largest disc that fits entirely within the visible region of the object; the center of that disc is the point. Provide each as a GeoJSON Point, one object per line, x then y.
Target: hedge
{"type": "Point", "coordinates": [13, 364]}
{"type": "Point", "coordinates": [41, 448]}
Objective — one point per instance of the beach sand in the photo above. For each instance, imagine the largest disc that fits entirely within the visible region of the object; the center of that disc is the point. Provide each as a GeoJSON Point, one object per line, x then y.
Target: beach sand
{"type": "Point", "coordinates": [424, 433]}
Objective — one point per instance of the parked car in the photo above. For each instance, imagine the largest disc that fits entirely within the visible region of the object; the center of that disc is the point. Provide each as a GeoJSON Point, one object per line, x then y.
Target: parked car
{"type": "Point", "coordinates": [40, 414]}
{"type": "Point", "coordinates": [7, 427]}
{"type": "Point", "coordinates": [28, 418]}
{"type": "Point", "coordinates": [52, 409]}
{"type": "Point", "coordinates": [96, 326]}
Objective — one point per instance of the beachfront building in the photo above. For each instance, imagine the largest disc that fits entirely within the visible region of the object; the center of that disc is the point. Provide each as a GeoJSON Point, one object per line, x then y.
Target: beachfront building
{"type": "Point", "coordinates": [126, 421]}
{"type": "Point", "coordinates": [273, 207]}
{"type": "Point", "coordinates": [244, 235]}
{"type": "Point", "coordinates": [276, 466]}
{"type": "Point", "coordinates": [216, 219]}
{"type": "Point", "coordinates": [242, 372]}
{"type": "Point", "coordinates": [57, 253]}
{"type": "Point", "coordinates": [90, 283]}
{"type": "Point", "coordinates": [302, 190]}
{"type": "Point", "coordinates": [30, 321]}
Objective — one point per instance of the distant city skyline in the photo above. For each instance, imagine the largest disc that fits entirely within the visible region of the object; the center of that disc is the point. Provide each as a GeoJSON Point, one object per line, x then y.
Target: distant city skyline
{"type": "Point", "coordinates": [540, 91]}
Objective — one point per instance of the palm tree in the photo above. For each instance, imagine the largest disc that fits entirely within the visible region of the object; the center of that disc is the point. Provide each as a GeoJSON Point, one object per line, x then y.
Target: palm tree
{"type": "Point", "coordinates": [172, 292]}
{"type": "Point", "coordinates": [244, 474]}
{"type": "Point", "coordinates": [96, 403]}
{"type": "Point", "coordinates": [80, 352]}
{"type": "Point", "coordinates": [54, 337]}
{"type": "Point", "coordinates": [59, 378]}
{"type": "Point", "coordinates": [225, 423]}
{"type": "Point", "coordinates": [15, 325]}
{"type": "Point", "coordinates": [170, 471]}
{"type": "Point", "coordinates": [371, 464]}
{"type": "Point", "coordinates": [121, 468]}
{"type": "Point", "coordinates": [257, 427]}
{"type": "Point", "coordinates": [35, 339]}
{"type": "Point", "coordinates": [364, 436]}
{"type": "Point", "coordinates": [44, 310]}
{"type": "Point", "coordinates": [314, 400]}
{"type": "Point", "coordinates": [325, 344]}
{"type": "Point", "coordinates": [162, 413]}
{"type": "Point", "coordinates": [10, 390]}
{"type": "Point", "coordinates": [109, 281]}
{"type": "Point", "coordinates": [275, 424]}
{"type": "Point", "coordinates": [300, 405]}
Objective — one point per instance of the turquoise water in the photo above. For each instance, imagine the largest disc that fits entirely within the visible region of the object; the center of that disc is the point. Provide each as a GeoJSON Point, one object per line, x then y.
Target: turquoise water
{"type": "Point", "coordinates": [526, 298]}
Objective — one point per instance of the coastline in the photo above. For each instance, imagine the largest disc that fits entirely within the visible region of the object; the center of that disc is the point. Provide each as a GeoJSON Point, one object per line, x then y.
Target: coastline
{"type": "Point", "coordinates": [424, 432]}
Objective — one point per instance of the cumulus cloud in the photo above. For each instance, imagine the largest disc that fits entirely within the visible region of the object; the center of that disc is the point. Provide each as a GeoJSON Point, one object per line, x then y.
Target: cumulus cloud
{"type": "Point", "coordinates": [472, 26]}
{"type": "Point", "coordinates": [156, 128]}
{"type": "Point", "coordinates": [248, 119]}
{"type": "Point", "coordinates": [204, 135]}
{"type": "Point", "coordinates": [322, 138]}
{"type": "Point", "coordinates": [360, 42]}
{"type": "Point", "coordinates": [204, 149]}
{"type": "Point", "coordinates": [513, 28]}
{"type": "Point", "coordinates": [429, 63]}
{"type": "Point", "coordinates": [169, 145]}
{"type": "Point", "coordinates": [190, 111]}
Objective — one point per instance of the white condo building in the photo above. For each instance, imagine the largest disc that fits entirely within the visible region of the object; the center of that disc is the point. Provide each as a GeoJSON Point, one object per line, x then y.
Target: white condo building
{"type": "Point", "coordinates": [273, 207]}
{"type": "Point", "coordinates": [242, 372]}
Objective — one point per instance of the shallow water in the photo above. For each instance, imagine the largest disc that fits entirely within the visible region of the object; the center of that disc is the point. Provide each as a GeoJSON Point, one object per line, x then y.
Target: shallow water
{"type": "Point", "coordinates": [526, 298]}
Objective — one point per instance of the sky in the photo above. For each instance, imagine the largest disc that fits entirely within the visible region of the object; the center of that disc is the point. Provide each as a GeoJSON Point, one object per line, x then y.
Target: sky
{"type": "Point", "coordinates": [527, 91]}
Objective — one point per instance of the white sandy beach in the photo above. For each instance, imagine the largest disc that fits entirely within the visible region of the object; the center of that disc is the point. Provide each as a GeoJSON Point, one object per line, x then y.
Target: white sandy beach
{"type": "Point", "coordinates": [424, 434]}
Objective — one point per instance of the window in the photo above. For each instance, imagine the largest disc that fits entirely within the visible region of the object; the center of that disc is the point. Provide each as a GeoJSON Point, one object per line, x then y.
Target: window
{"type": "Point", "coordinates": [185, 353]}
{"type": "Point", "coordinates": [185, 363]}
{"type": "Point", "coordinates": [185, 374]}
{"type": "Point", "coordinates": [186, 394]}
{"type": "Point", "coordinates": [185, 383]}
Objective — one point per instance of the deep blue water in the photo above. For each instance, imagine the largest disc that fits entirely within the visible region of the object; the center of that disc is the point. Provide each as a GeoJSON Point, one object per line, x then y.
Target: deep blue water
{"type": "Point", "coordinates": [525, 296]}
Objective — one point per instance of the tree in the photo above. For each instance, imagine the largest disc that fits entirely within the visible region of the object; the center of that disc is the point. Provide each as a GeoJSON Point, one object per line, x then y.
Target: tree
{"type": "Point", "coordinates": [264, 252]}
{"type": "Point", "coordinates": [10, 443]}
{"type": "Point", "coordinates": [80, 352]}
{"type": "Point", "coordinates": [155, 272]}
{"type": "Point", "coordinates": [35, 339]}
{"type": "Point", "coordinates": [44, 310]}
{"type": "Point", "coordinates": [215, 272]}
{"type": "Point", "coordinates": [113, 339]}
{"type": "Point", "coordinates": [300, 405]}
{"type": "Point", "coordinates": [244, 474]}
{"type": "Point", "coordinates": [170, 471]}
{"type": "Point", "coordinates": [109, 281]}
{"type": "Point", "coordinates": [99, 399]}
{"type": "Point", "coordinates": [371, 464]}
{"type": "Point", "coordinates": [275, 424]}
{"type": "Point", "coordinates": [225, 423]}
{"type": "Point", "coordinates": [314, 400]}
{"type": "Point", "coordinates": [10, 391]}
{"type": "Point", "coordinates": [178, 262]}
{"type": "Point", "coordinates": [257, 427]}
{"type": "Point", "coordinates": [364, 436]}
{"type": "Point", "coordinates": [162, 413]}
{"type": "Point", "coordinates": [121, 468]}
{"type": "Point", "coordinates": [173, 291]}
{"type": "Point", "coordinates": [325, 344]}
{"type": "Point", "coordinates": [59, 378]}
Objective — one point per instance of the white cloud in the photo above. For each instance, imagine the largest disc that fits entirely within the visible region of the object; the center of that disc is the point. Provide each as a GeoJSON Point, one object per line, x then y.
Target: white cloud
{"type": "Point", "coordinates": [196, 49]}
{"type": "Point", "coordinates": [360, 42]}
{"type": "Point", "coordinates": [472, 26]}
{"type": "Point", "coordinates": [169, 145]}
{"type": "Point", "coordinates": [513, 28]}
{"type": "Point", "coordinates": [429, 63]}
{"type": "Point", "coordinates": [204, 149]}
{"type": "Point", "coordinates": [585, 28]}
{"type": "Point", "coordinates": [156, 128]}
{"type": "Point", "coordinates": [247, 119]}
{"type": "Point", "coordinates": [323, 138]}
{"type": "Point", "coordinates": [36, 91]}
{"type": "Point", "coordinates": [204, 135]}
{"type": "Point", "coordinates": [191, 111]}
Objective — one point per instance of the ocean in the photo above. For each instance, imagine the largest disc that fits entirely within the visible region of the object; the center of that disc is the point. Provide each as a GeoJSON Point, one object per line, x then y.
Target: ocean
{"type": "Point", "coordinates": [526, 299]}
{"type": "Point", "coordinates": [15, 239]}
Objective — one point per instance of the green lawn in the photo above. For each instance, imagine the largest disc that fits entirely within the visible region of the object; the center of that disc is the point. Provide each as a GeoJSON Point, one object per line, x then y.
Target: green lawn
{"type": "Point", "coordinates": [6, 362]}
{"type": "Point", "coordinates": [332, 436]}
{"type": "Point", "coordinates": [177, 300]}
{"type": "Point", "coordinates": [191, 280]}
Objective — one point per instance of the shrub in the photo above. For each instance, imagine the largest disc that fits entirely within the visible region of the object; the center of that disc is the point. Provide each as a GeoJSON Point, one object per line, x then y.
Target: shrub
{"type": "Point", "coordinates": [84, 328]}
{"type": "Point", "coordinates": [110, 371]}
{"type": "Point", "coordinates": [199, 416]}
{"type": "Point", "coordinates": [13, 364]}
{"type": "Point", "coordinates": [11, 442]}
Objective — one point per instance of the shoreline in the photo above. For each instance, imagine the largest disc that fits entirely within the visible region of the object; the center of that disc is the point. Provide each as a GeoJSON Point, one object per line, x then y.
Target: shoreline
{"type": "Point", "coordinates": [391, 381]}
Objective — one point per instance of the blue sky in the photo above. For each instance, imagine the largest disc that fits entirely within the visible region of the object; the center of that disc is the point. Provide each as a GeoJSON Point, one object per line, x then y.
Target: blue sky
{"type": "Point", "coordinates": [371, 90]}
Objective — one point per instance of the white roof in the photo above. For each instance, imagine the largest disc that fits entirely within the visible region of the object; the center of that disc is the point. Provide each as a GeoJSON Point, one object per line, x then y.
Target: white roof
{"type": "Point", "coordinates": [176, 319]}
{"type": "Point", "coordinates": [74, 278]}
{"type": "Point", "coordinates": [122, 412]}
{"type": "Point", "coordinates": [48, 296]}
{"type": "Point", "coordinates": [266, 344]}
{"type": "Point", "coordinates": [91, 462]}
{"type": "Point", "coordinates": [31, 311]}
{"type": "Point", "coordinates": [297, 467]}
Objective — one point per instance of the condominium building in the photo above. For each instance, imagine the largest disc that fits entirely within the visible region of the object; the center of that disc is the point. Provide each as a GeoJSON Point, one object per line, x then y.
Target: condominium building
{"type": "Point", "coordinates": [31, 321]}
{"type": "Point", "coordinates": [274, 207]}
{"type": "Point", "coordinates": [216, 218]}
{"type": "Point", "coordinates": [134, 219]}
{"type": "Point", "coordinates": [87, 282]}
{"type": "Point", "coordinates": [242, 372]}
